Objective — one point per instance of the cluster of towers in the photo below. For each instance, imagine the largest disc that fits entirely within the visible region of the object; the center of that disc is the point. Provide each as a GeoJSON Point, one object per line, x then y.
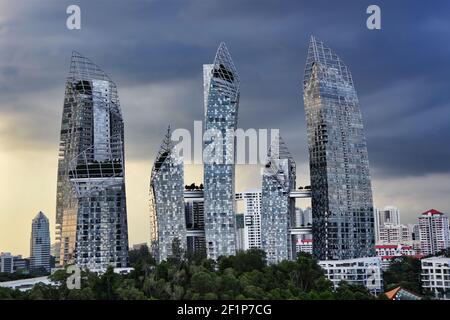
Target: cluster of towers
{"type": "Point", "coordinates": [91, 218]}
{"type": "Point", "coordinates": [205, 220]}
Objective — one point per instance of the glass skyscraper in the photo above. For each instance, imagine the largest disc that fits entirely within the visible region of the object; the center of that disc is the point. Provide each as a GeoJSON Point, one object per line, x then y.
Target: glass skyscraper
{"type": "Point", "coordinates": [167, 212]}
{"type": "Point", "coordinates": [40, 243]}
{"type": "Point", "coordinates": [91, 216]}
{"type": "Point", "coordinates": [221, 99]}
{"type": "Point", "coordinates": [277, 208]}
{"type": "Point", "coordinates": [343, 226]}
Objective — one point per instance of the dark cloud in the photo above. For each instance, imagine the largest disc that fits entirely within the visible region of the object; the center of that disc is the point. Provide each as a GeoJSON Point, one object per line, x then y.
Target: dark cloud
{"type": "Point", "coordinates": [154, 50]}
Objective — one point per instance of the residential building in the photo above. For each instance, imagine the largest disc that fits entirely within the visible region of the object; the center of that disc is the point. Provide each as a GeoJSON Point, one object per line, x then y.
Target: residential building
{"type": "Point", "coordinates": [362, 271]}
{"type": "Point", "coordinates": [436, 276]}
{"type": "Point", "coordinates": [6, 262]}
{"type": "Point", "coordinates": [387, 252]}
{"type": "Point", "coordinates": [240, 233]}
{"type": "Point", "coordinates": [394, 234]}
{"type": "Point", "coordinates": [342, 203]}
{"type": "Point", "coordinates": [221, 99]}
{"type": "Point", "coordinates": [167, 207]}
{"type": "Point", "coordinates": [304, 245]}
{"type": "Point", "coordinates": [40, 243]}
{"type": "Point", "coordinates": [91, 215]}
{"type": "Point", "coordinates": [389, 215]}
{"type": "Point", "coordinates": [252, 218]}
{"type": "Point", "coordinates": [277, 208]}
{"type": "Point", "coordinates": [434, 232]}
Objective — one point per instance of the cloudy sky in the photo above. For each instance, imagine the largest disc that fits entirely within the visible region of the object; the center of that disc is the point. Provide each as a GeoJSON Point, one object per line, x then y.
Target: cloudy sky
{"type": "Point", "coordinates": [154, 50]}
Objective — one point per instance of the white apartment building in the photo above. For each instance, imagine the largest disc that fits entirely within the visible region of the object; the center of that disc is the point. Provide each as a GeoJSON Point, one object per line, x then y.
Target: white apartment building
{"type": "Point", "coordinates": [388, 215]}
{"type": "Point", "coordinates": [394, 234]}
{"type": "Point", "coordinates": [252, 218]}
{"type": "Point", "coordinates": [436, 276]}
{"type": "Point", "coordinates": [387, 252]}
{"type": "Point", "coordinates": [363, 271]}
{"type": "Point", "coordinates": [434, 232]}
{"type": "Point", "coordinates": [304, 245]}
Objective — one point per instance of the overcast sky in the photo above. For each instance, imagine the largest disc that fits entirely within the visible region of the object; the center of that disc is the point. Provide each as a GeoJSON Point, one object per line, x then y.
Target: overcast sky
{"type": "Point", "coordinates": [154, 51]}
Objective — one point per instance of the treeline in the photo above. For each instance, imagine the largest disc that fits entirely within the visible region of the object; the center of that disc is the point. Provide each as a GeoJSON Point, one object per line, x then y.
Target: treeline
{"type": "Point", "coordinates": [244, 276]}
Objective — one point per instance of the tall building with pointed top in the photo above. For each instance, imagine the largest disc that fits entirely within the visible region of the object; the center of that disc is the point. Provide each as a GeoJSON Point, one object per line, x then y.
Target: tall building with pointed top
{"type": "Point", "coordinates": [342, 205]}
{"type": "Point", "coordinates": [277, 208]}
{"type": "Point", "coordinates": [40, 243]}
{"type": "Point", "coordinates": [91, 215]}
{"type": "Point", "coordinates": [221, 100]}
{"type": "Point", "coordinates": [167, 213]}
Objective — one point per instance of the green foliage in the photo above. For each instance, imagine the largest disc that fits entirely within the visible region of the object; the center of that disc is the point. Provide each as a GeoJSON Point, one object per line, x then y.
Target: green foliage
{"type": "Point", "coordinates": [244, 276]}
{"type": "Point", "coordinates": [404, 272]}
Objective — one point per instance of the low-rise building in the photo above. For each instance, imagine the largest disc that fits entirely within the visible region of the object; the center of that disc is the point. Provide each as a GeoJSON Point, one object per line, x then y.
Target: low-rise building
{"type": "Point", "coordinates": [436, 276]}
{"type": "Point", "coordinates": [363, 271]}
{"type": "Point", "coordinates": [304, 245]}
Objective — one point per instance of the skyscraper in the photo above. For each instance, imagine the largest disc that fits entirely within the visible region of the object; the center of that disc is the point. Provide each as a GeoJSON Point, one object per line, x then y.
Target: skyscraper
{"type": "Point", "coordinates": [167, 217]}
{"type": "Point", "coordinates": [389, 215]}
{"type": "Point", "coordinates": [221, 99]}
{"type": "Point", "coordinates": [343, 226]}
{"type": "Point", "coordinates": [40, 243]}
{"type": "Point", "coordinates": [434, 232]}
{"type": "Point", "coordinates": [277, 208]}
{"type": "Point", "coordinates": [91, 216]}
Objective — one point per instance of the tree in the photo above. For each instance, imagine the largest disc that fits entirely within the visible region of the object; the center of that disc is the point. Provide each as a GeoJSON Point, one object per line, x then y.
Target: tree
{"type": "Point", "coordinates": [404, 272]}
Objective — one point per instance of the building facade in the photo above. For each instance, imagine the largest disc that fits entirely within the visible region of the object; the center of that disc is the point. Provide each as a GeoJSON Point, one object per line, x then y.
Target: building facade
{"type": "Point", "coordinates": [91, 216]}
{"type": "Point", "coordinates": [434, 232]}
{"type": "Point", "coordinates": [363, 271]}
{"type": "Point", "coordinates": [277, 208]}
{"type": "Point", "coordinates": [194, 208]}
{"type": "Point", "coordinates": [388, 215]}
{"type": "Point", "coordinates": [342, 203]}
{"type": "Point", "coordinates": [252, 218]}
{"type": "Point", "coordinates": [40, 243]}
{"type": "Point", "coordinates": [167, 212]}
{"type": "Point", "coordinates": [435, 276]}
{"type": "Point", "coordinates": [221, 99]}
{"type": "Point", "coordinates": [394, 234]}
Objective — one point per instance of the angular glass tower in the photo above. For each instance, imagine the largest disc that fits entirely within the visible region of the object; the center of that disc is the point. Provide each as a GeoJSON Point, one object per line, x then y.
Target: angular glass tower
{"type": "Point", "coordinates": [343, 226]}
{"type": "Point", "coordinates": [40, 243]}
{"type": "Point", "coordinates": [91, 216]}
{"type": "Point", "coordinates": [221, 99]}
{"type": "Point", "coordinates": [277, 208]}
{"type": "Point", "coordinates": [167, 216]}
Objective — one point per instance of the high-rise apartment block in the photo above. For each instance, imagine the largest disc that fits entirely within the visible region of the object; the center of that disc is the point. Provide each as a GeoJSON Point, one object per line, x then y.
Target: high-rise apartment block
{"type": "Point", "coordinates": [342, 205]}
{"type": "Point", "coordinates": [434, 232]}
{"type": "Point", "coordinates": [91, 215]}
{"type": "Point", "coordinates": [221, 99]}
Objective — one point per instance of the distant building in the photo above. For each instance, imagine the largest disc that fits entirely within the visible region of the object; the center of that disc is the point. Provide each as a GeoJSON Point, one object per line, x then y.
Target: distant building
{"type": "Point", "coordinates": [388, 215]}
{"type": "Point", "coordinates": [6, 262]}
{"type": "Point", "coordinates": [240, 233]}
{"type": "Point", "coordinates": [400, 293]}
{"type": "Point", "coordinates": [304, 245]}
{"type": "Point", "coordinates": [363, 271]}
{"type": "Point", "coordinates": [434, 232]}
{"type": "Point", "coordinates": [394, 234]}
{"type": "Point", "coordinates": [303, 217]}
{"type": "Point", "coordinates": [252, 218]}
{"type": "Point", "coordinates": [436, 276]}
{"type": "Point", "coordinates": [21, 265]}
{"type": "Point", "coordinates": [387, 252]}
{"type": "Point", "coordinates": [194, 210]}
{"type": "Point", "coordinates": [40, 243]}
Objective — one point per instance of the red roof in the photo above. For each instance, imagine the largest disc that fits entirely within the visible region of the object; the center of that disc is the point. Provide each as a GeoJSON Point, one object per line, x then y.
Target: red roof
{"type": "Point", "coordinates": [432, 212]}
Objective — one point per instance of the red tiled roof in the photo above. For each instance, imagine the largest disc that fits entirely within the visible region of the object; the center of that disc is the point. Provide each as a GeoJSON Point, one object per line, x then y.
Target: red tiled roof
{"type": "Point", "coordinates": [432, 212]}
